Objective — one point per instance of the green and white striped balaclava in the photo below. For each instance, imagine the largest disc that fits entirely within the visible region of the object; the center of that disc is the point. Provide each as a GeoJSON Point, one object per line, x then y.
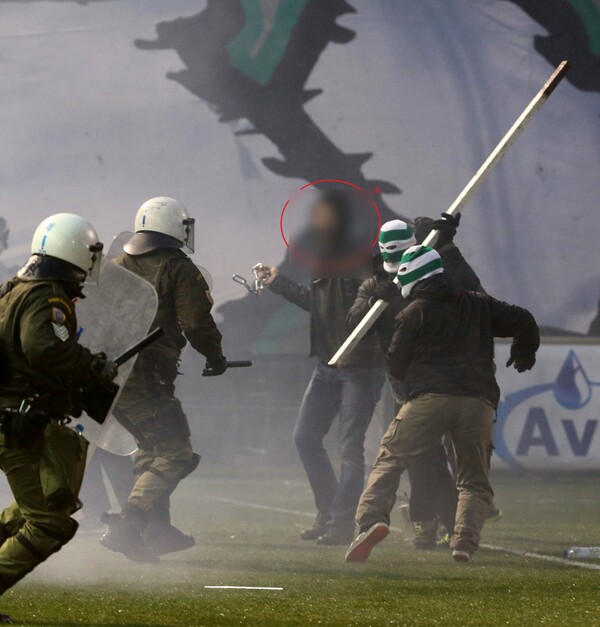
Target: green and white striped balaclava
{"type": "Point", "coordinates": [418, 263]}
{"type": "Point", "coordinates": [395, 237]}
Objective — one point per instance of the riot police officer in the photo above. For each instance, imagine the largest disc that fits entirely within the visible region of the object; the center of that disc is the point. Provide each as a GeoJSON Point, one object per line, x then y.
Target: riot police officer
{"type": "Point", "coordinates": [42, 458]}
{"type": "Point", "coordinates": [143, 530]}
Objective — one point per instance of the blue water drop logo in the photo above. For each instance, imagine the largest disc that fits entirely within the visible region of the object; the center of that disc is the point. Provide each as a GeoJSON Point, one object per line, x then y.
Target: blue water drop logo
{"type": "Point", "coordinates": [572, 388]}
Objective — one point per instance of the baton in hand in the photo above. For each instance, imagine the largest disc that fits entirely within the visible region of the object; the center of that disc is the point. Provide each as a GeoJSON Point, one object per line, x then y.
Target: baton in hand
{"type": "Point", "coordinates": [207, 372]}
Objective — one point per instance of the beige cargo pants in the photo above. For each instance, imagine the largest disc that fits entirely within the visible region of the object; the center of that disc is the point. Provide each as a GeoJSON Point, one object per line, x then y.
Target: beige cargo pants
{"type": "Point", "coordinates": [419, 427]}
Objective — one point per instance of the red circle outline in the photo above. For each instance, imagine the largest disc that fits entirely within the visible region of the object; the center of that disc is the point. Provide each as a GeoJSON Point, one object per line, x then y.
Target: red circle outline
{"type": "Point", "coordinates": [343, 182]}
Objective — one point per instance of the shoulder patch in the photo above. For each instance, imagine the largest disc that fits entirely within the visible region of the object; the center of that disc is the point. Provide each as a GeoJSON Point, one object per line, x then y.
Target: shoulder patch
{"type": "Point", "coordinates": [63, 302]}
{"type": "Point", "coordinates": [58, 315]}
{"type": "Point", "coordinates": [61, 331]}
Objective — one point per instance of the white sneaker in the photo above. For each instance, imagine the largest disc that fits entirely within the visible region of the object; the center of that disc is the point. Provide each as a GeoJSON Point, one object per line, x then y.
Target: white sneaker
{"type": "Point", "coordinates": [461, 557]}
{"type": "Point", "coordinates": [361, 548]}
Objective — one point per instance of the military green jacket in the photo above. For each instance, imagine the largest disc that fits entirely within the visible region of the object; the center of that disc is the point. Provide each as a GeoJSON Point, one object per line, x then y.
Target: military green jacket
{"type": "Point", "coordinates": [39, 328]}
{"type": "Point", "coordinates": [184, 303]}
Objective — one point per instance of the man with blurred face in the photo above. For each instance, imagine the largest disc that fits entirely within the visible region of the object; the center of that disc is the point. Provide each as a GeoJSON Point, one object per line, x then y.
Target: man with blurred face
{"type": "Point", "coordinates": [350, 391]}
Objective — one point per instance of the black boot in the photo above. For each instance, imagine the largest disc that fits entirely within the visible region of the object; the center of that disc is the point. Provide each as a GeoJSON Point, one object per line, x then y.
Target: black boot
{"type": "Point", "coordinates": [124, 535]}
{"type": "Point", "coordinates": [338, 535]}
{"type": "Point", "coordinates": [163, 539]}
{"type": "Point", "coordinates": [6, 619]}
{"type": "Point", "coordinates": [318, 529]}
{"type": "Point", "coordinates": [160, 536]}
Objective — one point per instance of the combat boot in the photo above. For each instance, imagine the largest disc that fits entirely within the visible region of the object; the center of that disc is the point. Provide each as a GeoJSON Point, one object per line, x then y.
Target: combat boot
{"type": "Point", "coordinates": [124, 535]}
{"type": "Point", "coordinates": [318, 529]}
{"type": "Point", "coordinates": [163, 539]}
{"type": "Point", "coordinates": [425, 535]}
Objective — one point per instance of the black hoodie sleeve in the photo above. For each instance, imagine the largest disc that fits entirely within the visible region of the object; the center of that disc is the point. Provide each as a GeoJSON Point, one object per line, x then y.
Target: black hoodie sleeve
{"type": "Point", "coordinates": [462, 274]}
{"type": "Point", "coordinates": [516, 322]}
{"type": "Point", "coordinates": [402, 347]}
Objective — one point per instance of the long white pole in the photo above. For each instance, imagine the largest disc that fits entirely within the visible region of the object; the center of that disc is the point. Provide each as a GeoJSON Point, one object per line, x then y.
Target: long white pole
{"type": "Point", "coordinates": [463, 198]}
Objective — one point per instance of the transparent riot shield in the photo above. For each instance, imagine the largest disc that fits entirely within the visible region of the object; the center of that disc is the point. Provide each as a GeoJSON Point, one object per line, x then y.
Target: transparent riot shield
{"type": "Point", "coordinates": [116, 313]}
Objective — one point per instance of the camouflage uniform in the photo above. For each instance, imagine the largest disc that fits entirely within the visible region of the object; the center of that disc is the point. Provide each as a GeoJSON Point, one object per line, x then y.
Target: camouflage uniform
{"type": "Point", "coordinates": [165, 453]}
{"type": "Point", "coordinates": [39, 327]}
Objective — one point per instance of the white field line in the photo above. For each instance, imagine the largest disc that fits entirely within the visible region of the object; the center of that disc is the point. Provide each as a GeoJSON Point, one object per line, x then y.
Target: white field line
{"type": "Point", "coordinates": [242, 588]}
{"type": "Point", "coordinates": [540, 556]}
{"type": "Point", "coordinates": [490, 547]}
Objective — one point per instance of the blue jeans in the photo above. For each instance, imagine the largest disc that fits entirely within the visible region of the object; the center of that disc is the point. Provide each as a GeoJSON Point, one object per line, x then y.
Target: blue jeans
{"type": "Point", "coordinates": [352, 393]}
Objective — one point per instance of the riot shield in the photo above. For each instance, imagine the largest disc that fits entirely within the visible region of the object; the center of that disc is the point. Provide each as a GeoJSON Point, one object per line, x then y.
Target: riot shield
{"type": "Point", "coordinates": [116, 313]}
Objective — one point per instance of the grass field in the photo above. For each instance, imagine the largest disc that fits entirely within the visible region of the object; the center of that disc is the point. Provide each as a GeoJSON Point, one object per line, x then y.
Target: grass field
{"type": "Point", "coordinates": [253, 545]}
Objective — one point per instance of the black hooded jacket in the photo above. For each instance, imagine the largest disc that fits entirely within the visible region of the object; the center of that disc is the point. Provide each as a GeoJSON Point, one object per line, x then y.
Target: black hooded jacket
{"type": "Point", "coordinates": [461, 273]}
{"type": "Point", "coordinates": [443, 341]}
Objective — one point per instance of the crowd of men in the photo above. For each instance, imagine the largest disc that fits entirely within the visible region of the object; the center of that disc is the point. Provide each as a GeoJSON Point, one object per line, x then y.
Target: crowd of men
{"type": "Point", "coordinates": [434, 344]}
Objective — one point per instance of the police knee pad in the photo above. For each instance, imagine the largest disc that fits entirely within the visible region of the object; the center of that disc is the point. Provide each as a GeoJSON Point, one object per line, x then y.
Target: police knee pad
{"type": "Point", "coordinates": [52, 539]}
{"type": "Point", "coordinates": [191, 465]}
{"type": "Point", "coordinates": [63, 535]}
{"type": "Point", "coordinates": [186, 468]}
{"type": "Point", "coordinates": [5, 534]}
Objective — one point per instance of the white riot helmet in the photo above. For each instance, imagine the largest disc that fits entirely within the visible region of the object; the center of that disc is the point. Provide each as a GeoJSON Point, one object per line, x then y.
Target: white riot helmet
{"type": "Point", "coordinates": [65, 246]}
{"type": "Point", "coordinates": [163, 216]}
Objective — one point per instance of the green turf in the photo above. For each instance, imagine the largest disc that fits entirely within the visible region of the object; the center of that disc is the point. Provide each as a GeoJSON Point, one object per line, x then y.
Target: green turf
{"type": "Point", "coordinates": [238, 545]}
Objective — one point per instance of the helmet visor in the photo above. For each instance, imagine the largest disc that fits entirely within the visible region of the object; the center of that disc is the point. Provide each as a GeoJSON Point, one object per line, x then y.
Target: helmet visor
{"type": "Point", "coordinates": [93, 272]}
{"type": "Point", "coordinates": [189, 228]}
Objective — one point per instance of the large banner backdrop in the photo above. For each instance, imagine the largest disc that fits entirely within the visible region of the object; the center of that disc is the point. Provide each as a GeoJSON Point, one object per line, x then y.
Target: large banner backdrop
{"type": "Point", "coordinates": [229, 105]}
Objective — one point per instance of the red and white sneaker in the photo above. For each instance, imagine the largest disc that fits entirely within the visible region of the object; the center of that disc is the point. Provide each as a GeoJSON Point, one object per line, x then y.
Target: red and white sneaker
{"type": "Point", "coordinates": [461, 557]}
{"type": "Point", "coordinates": [361, 548]}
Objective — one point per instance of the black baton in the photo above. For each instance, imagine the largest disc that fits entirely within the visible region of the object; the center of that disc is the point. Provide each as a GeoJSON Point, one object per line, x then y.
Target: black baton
{"type": "Point", "coordinates": [138, 347]}
{"type": "Point", "coordinates": [207, 372]}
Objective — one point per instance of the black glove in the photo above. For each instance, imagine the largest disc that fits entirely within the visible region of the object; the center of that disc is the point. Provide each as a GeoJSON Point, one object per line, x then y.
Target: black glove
{"type": "Point", "coordinates": [521, 359]}
{"type": "Point", "coordinates": [104, 369]}
{"type": "Point", "coordinates": [386, 290]}
{"type": "Point", "coordinates": [22, 428]}
{"type": "Point", "coordinates": [447, 226]}
{"type": "Point", "coordinates": [215, 367]}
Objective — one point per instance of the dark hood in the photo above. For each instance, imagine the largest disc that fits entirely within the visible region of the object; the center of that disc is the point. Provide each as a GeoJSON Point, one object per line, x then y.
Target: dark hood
{"type": "Point", "coordinates": [437, 287]}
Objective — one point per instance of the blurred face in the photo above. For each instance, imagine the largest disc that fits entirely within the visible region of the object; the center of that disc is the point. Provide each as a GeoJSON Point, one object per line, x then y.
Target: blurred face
{"type": "Point", "coordinates": [325, 222]}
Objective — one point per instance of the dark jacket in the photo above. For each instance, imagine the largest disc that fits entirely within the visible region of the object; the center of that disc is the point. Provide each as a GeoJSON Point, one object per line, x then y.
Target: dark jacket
{"type": "Point", "coordinates": [461, 273]}
{"type": "Point", "coordinates": [38, 326]}
{"type": "Point", "coordinates": [184, 304]}
{"type": "Point", "coordinates": [443, 341]}
{"type": "Point", "coordinates": [328, 301]}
